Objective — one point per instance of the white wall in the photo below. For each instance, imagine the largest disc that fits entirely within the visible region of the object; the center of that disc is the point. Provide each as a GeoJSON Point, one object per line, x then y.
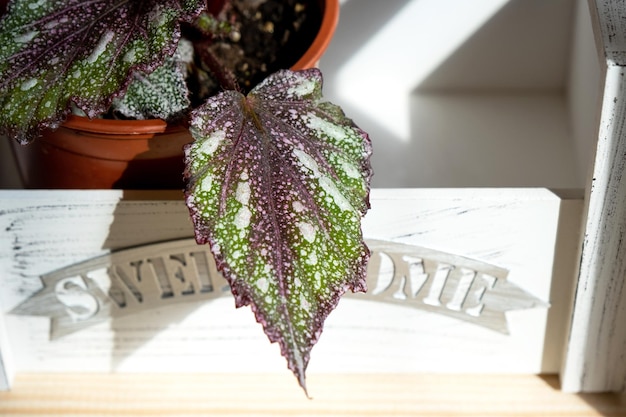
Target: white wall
{"type": "Point", "coordinates": [585, 87]}
{"type": "Point", "coordinates": [458, 93]}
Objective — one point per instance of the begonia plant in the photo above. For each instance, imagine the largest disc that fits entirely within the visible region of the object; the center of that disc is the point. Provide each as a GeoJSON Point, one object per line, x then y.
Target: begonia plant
{"type": "Point", "coordinates": [277, 179]}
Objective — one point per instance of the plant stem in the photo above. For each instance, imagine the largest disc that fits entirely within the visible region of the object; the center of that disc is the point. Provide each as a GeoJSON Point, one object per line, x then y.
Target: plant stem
{"type": "Point", "coordinates": [225, 77]}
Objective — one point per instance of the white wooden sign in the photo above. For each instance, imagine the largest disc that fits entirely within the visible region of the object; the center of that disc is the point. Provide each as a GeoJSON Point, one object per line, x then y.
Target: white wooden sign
{"type": "Point", "coordinates": [461, 280]}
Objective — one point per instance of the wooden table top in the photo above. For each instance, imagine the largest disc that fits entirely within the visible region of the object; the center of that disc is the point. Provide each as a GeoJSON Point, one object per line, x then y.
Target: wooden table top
{"type": "Point", "coordinates": [278, 395]}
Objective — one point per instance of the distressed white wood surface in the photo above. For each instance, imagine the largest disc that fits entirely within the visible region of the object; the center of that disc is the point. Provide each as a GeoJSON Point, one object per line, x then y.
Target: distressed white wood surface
{"type": "Point", "coordinates": [595, 354]}
{"type": "Point", "coordinates": [513, 229]}
{"type": "Point", "coordinates": [580, 355]}
{"type": "Point", "coordinates": [6, 365]}
{"type": "Point", "coordinates": [595, 359]}
{"type": "Point", "coordinates": [610, 29]}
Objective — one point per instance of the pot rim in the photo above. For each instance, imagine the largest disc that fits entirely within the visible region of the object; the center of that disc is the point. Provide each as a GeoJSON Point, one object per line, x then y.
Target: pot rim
{"type": "Point", "coordinates": [112, 126]}
{"type": "Point", "coordinates": [330, 19]}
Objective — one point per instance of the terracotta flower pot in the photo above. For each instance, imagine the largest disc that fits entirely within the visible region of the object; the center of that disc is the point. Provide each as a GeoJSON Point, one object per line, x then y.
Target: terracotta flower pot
{"type": "Point", "coordinates": [100, 153]}
{"type": "Point", "coordinates": [129, 154]}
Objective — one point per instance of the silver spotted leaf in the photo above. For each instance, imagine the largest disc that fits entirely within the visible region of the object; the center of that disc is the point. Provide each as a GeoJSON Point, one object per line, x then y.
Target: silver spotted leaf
{"type": "Point", "coordinates": [161, 94]}
{"type": "Point", "coordinates": [277, 183]}
{"type": "Point", "coordinates": [55, 53]}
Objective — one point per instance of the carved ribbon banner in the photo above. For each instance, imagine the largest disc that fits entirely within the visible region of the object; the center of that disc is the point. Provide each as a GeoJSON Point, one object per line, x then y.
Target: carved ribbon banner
{"type": "Point", "coordinates": [155, 275]}
{"type": "Point", "coordinates": [442, 283]}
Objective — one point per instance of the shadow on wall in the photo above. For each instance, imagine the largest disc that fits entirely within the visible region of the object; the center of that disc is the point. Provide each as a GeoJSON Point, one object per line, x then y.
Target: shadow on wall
{"type": "Point", "coordinates": [429, 98]}
{"type": "Point", "coordinates": [9, 177]}
{"type": "Point", "coordinates": [192, 324]}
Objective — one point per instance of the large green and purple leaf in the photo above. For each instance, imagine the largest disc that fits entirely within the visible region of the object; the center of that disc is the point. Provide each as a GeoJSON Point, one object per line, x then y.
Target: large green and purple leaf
{"type": "Point", "coordinates": [277, 184]}
{"type": "Point", "coordinates": [53, 53]}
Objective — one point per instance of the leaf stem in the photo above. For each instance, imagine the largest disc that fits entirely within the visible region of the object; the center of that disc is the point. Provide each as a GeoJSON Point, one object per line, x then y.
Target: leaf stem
{"type": "Point", "coordinates": [249, 112]}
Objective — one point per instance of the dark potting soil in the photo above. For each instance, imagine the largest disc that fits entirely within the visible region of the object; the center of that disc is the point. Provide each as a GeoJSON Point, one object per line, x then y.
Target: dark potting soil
{"type": "Point", "coordinates": [263, 36]}
{"type": "Point", "coordinates": [267, 35]}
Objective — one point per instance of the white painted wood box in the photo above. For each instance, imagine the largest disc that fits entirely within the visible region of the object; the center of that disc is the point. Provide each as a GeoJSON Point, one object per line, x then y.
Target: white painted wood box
{"type": "Point", "coordinates": [484, 116]}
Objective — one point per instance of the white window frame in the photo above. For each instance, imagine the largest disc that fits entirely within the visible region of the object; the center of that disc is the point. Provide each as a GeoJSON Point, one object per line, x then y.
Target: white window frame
{"type": "Point", "coordinates": [595, 357]}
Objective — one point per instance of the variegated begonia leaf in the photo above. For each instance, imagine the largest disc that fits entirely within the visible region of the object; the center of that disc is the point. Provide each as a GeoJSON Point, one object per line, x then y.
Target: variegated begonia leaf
{"type": "Point", "coordinates": [53, 53]}
{"type": "Point", "coordinates": [277, 184]}
{"type": "Point", "coordinates": [161, 94]}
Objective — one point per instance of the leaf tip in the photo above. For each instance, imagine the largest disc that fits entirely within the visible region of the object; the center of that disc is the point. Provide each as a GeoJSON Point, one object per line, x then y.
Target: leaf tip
{"type": "Point", "coordinates": [299, 370]}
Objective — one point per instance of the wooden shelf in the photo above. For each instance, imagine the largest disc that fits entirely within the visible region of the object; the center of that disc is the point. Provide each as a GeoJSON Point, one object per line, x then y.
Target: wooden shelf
{"type": "Point", "coordinates": [497, 105]}
{"type": "Point", "coordinates": [278, 394]}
